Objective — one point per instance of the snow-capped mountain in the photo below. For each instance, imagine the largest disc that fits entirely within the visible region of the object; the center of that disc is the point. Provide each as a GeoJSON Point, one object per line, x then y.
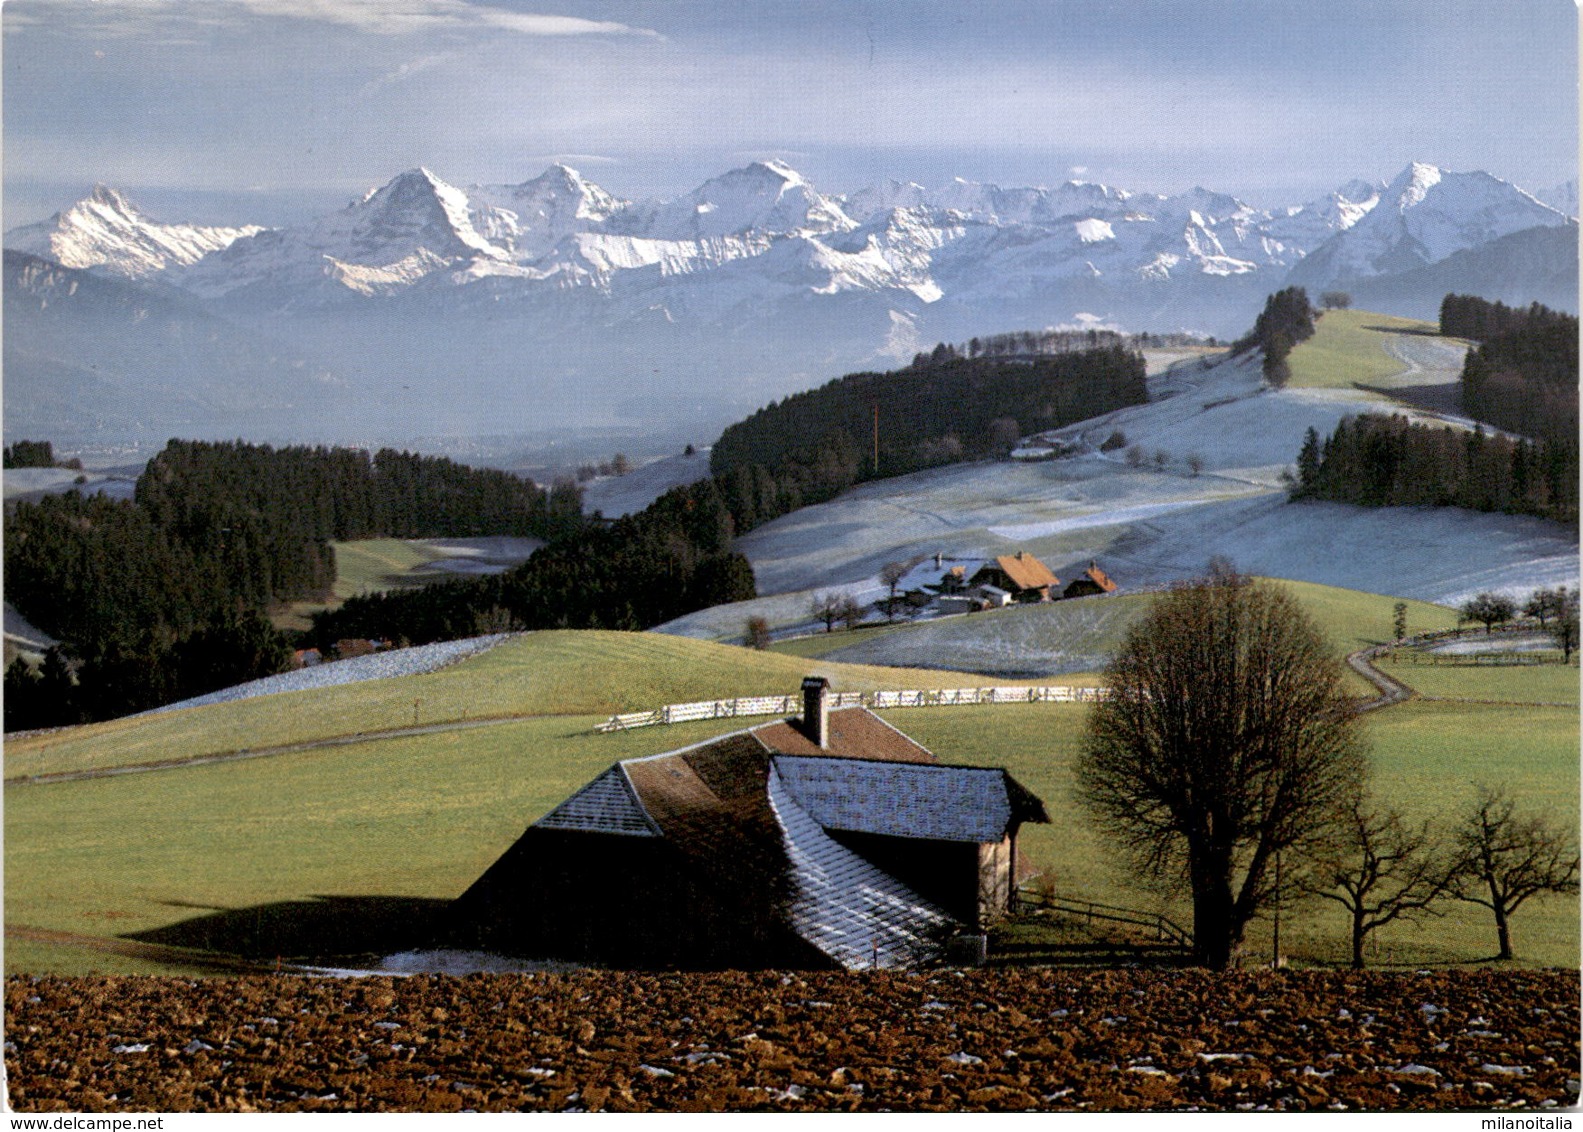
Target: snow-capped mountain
{"type": "Point", "coordinates": [1424, 216]}
{"type": "Point", "coordinates": [105, 230]}
{"type": "Point", "coordinates": [756, 283]}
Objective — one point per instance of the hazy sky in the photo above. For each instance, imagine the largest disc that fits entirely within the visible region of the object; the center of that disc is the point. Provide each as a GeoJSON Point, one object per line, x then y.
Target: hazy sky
{"type": "Point", "coordinates": [237, 109]}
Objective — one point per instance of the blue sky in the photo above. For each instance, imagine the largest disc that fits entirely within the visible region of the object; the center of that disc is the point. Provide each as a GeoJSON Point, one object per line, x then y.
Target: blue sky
{"type": "Point", "coordinates": [266, 109]}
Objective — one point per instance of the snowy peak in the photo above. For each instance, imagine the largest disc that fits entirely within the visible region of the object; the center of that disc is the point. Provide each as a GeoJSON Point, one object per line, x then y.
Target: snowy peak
{"type": "Point", "coordinates": [415, 210]}
{"type": "Point", "coordinates": [766, 197]}
{"type": "Point", "coordinates": [1424, 215]}
{"type": "Point", "coordinates": [530, 219]}
{"type": "Point", "coordinates": [107, 232]}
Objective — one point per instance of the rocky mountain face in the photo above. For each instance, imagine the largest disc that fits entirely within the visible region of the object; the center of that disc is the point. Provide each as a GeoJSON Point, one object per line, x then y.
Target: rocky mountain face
{"type": "Point", "coordinates": [553, 300]}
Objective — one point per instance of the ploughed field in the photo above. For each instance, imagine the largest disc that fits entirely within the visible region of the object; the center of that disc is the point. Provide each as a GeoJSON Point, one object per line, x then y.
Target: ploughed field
{"type": "Point", "coordinates": [1013, 1039]}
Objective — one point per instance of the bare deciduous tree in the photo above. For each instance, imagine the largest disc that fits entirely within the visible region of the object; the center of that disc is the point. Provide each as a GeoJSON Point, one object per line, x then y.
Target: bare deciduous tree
{"type": "Point", "coordinates": [1380, 870]}
{"type": "Point", "coordinates": [1504, 858]}
{"type": "Point", "coordinates": [891, 575]}
{"type": "Point", "coordinates": [1227, 737]}
{"type": "Point", "coordinates": [826, 607]}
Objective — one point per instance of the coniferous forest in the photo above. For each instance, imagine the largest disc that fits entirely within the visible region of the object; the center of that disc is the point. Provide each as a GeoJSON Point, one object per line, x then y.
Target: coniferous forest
{"type": "Point", "coordinates": [942, 409]}
{"type": "Point", "coordinates": [165, 596]}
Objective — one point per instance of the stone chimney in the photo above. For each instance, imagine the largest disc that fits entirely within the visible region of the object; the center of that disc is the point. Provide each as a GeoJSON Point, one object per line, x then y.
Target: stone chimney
{"type": "Point", "coordinates": [816, 710]}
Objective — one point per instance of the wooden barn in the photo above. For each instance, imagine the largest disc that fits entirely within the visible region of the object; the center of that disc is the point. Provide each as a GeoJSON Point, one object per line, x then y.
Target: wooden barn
{"type": "Point", "coordinates": [1089, 582]}
{"type": "Point", "coordinates": [828, 841]}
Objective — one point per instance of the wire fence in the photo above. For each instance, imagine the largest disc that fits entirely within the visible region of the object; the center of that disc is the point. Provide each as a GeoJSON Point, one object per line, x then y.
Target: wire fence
{"type": "Point", "coordinates": [789, 705]}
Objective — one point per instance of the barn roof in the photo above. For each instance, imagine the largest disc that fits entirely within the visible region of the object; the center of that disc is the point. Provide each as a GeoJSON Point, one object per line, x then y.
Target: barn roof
{"type": "Point", "coordinates": [854, 912]}
{"type": "Point", "coordinates": [1098, 577]}
{"type": "Point", "coordinates": [608, 804]}
{"type": "Point", "coordinates": [938, 803]}
{"type": "Point", "coordinates": [1026, 571]}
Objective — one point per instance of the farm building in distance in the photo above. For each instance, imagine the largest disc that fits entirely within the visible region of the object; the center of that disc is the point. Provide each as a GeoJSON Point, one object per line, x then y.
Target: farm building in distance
{"type": "Point", "coordinates": [961, 584]}
{"type": "Point", "coordinates": [1089, 582]}
{"type": "Point", "coordinates": [828, 841]}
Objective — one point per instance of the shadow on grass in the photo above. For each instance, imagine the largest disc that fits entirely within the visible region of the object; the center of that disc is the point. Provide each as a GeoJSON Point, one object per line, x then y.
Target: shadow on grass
{"type": "Point", "coordinates": [321, 927]}
{"type": "Point", "coordinates": [1420, 332]}
{"type": "Point", "coordinates": [1442, 397]}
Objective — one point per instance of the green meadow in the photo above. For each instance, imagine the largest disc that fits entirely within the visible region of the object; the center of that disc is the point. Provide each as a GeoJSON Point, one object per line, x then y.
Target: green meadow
{"type": "Point", "coordinates": [1348, 346]}
{"type": "Point", "coordinates": [372, 836]}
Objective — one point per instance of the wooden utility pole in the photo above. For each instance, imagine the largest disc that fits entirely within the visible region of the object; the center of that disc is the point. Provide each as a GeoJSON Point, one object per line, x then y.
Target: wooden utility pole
{"type": "Point", "coordinates": [876, 439]}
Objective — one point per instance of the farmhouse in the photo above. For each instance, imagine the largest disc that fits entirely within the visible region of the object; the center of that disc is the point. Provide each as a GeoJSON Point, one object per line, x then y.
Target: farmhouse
{"type": "Point", "coordinates": [1021, 575]}
{"type": "Point", "coordinates": [828, 841]}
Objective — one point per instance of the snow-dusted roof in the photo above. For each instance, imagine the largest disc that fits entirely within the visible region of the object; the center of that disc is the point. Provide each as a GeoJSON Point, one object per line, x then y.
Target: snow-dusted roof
{"type": "Point", "coordinates": [608, 804]}
{"type": "Point", "coordinates": [939, 803]}
{"type": "Point", "coordinates": [852, 911]}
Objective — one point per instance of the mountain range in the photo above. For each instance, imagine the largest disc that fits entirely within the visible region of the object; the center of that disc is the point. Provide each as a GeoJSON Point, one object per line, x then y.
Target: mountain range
{"type": "Point", "coordinates": [427, 308]}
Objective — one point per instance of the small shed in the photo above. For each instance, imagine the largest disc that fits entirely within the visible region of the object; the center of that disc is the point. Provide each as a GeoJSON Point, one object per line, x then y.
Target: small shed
{"type": "Point", "coordinates": [832, 840]}
{"type": "Point", "coordinates": [1089, 582]}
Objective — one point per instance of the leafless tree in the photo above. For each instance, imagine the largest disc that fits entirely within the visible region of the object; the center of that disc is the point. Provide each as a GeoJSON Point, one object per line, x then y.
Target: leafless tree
{"type": "Point", "coordinates": [1504, 857]}
{"type": "Point", "coordinates": [826, 607]}
{"type": "Point", "coordinates": [891, 574]}
{"type": "Point", "coordinates": [1380, 870]}
{"type": "Point", "coordinates": [1195, 463]}
{"type": "Point", "coordinates": [851, 612]}
{"type": "Point", "coordinates": [1227, 737]}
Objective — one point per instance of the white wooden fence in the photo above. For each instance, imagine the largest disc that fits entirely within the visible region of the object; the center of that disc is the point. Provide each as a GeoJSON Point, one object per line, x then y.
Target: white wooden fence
{"type": "Point", "coordinates": [790, 705]}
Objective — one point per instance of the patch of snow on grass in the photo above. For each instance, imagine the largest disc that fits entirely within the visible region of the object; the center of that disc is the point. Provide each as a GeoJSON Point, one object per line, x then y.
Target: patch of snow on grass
{"type": "Point", "coordinates": [378, 666]}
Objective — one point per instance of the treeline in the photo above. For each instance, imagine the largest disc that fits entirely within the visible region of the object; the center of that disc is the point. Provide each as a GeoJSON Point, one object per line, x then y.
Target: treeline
{"type": "Point", "coordinates": [1387, 461]}
{"type": "Point", "coordinates": [1286, 320]}
{"type": "Point", "coordinates": [1523, 375]}
{"type": "Point", "coordinates": [164, 596]}
{"type": "Point", "coordinates": [35, 454]}
{"type": "Point", "coordinates": [1029, 343]}
{"type": "Point", "coordinates": [672, 558]}
{"type": "Point", "coordinates": [810, 446]}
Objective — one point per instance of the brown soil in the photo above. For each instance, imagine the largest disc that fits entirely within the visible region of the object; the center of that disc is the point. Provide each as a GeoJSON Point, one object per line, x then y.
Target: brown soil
{"type": "Point", "coordinates": [1045, 1039]}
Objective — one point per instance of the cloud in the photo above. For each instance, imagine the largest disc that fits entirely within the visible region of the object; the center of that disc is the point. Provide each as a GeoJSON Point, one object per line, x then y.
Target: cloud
{"type": "Point", "coordinates": [403, 17]}
{"type": "Point", "coordinates": [376, 17]}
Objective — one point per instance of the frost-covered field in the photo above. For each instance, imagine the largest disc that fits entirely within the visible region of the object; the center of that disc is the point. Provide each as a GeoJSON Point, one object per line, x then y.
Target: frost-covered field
{"type": "Point", "coordinates": [478, 555]}
{"type": "Point", "coordinates": [1024, 641]}
{"type": "Point", "coordinates": [396, 662]}
{"type": "Point", "coordinates": [621, 495]}
{"type": "Point", "coordinates": [1147, 526]}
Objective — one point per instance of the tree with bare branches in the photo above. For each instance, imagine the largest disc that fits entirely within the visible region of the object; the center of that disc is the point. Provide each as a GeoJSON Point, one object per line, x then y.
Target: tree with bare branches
{"type": "Point", "coordinates": [1227, 737]}
{"type": "Point", "coordinates": [1505, 857]}
{"type": "Point", "coordinates": [1380, 870]}
{"type": "Point", "coordinates": [826, 607]}
{"type": "Point", "coordinates": [891, 575]}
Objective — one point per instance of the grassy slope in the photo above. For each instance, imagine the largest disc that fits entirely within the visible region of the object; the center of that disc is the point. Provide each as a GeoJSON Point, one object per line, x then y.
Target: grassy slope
{"type": "Point", "coordinates": [421, 817]}
{"type": "Point", "coordinates": [364, 566]}
{"type": "Point", "coordinates": [1351, 619]}
{"type": "Point", "coordinates": [552, 672]}
{"type": "Point", "coordinates": [1348, 347]}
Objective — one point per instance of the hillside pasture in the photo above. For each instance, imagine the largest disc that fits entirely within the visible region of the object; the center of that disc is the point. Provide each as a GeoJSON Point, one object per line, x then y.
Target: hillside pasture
{"type": "Point", "coordinates": [285, 855]}
{"type": "Point", "coordinates": [1159, 522]}
{"type": "Point", "coordinates": [364, 566]}
{"type": "Point", "coordinates": [555, 672]}
{"type": "Point", "coordinates": [1357, 348]}
{"type": "Point", "coordinates": [1078, 636]}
